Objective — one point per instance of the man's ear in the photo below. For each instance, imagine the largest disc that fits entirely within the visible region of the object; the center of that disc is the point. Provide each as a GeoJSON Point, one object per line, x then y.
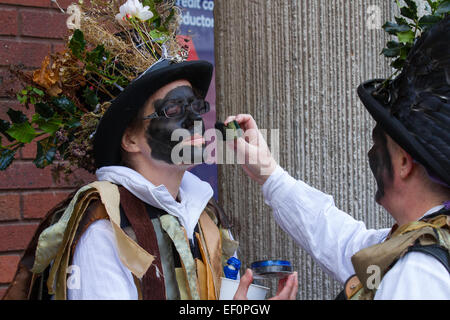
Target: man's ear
{"type": "Point", "coordinates": [129, 141]}
{"type": "Point", "coordinates": [406, 164]}
{"type": "Point", "coordinates": [402, 162]}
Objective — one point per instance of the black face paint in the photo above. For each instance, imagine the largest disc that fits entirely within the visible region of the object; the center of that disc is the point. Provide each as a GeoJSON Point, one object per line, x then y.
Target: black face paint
{"type": "Point", "coordinates": [380, 162]}
{"type": "Point", "coordinates": [159, 131]}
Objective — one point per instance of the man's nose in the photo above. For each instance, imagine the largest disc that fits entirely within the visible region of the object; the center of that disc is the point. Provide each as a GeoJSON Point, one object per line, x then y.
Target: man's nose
{"type": "Point", "coordinates": [191, 118]}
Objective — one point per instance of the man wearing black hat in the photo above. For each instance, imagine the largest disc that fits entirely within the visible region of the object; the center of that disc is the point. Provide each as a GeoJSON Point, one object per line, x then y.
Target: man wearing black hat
{"type": "Point", "coordinates": [410, 160]}
{"type": "Point", "coordinates": [165, 208]}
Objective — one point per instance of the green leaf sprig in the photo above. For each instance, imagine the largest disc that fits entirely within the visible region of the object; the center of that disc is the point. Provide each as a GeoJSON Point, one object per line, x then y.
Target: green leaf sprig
{"type": "Point", "coordinates": [409, 26]}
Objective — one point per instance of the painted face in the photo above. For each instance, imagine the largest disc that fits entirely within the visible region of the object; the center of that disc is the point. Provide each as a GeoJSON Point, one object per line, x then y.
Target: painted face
{"type": "Point", "coordinates": [380, 162]}
{"type": "Point", "coordinates": [159, 131]}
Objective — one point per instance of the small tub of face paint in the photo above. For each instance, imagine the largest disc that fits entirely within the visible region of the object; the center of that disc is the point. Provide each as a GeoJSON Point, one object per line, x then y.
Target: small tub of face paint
{"type": "Point", "coordinates": [271, 269]}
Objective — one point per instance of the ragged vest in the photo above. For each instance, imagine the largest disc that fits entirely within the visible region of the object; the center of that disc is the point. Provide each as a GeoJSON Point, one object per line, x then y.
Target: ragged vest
{"type": "Point", "coordinates": [145, 247]}
{"type": "Point", "coordinates": [430, 235]}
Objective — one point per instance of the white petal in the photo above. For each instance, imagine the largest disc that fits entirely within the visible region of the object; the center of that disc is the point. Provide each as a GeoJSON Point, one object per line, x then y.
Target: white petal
{"type": "Point", "coordinates": [145, 15]}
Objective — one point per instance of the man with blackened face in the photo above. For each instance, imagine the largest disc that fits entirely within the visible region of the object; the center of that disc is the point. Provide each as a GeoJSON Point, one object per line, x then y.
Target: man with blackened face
{"type": "Point", "coordinates": [168, 128]}
{"type": "Point", "coordinates": [166, 209]}
{"type": "Point", "coordinates": [380, 162]}
{"type": "Point", "coordinates": [179, 111]}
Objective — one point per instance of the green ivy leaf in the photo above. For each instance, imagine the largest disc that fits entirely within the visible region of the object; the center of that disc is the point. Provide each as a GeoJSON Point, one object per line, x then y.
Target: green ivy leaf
{"type": "Point", "coordinates": [22, 98]}
{"type": "Point", "coordinates": [17, 116]}
{"type": "Point", "coordinates": [50, 125]}
{"type": "Point", "coordinates": [393, 28]}
{"type": "Point", "coordinates": [391, 52]}
{"type": "Point", "coordinates": [158, 36]}
{"type": "Point", "coordinates": [73, 122]}
{"type": "Point", "coordinates": [22, 132]}
{"type": "Point", "coordinates": [426, 22]}
{"type": "Point", "coordinates": [45, 153]}
{"type": "Point", "coordinates": [77, 44]}
{"type": "Point", "coordinates": [433, 5]}
{"type": "Point", "coordinates": [96, 56]}
{"type": "Point", "coordinates": [90, 97]}
{"type": "Point", "coordinates": [398, 63]}
{"type": "Point", "coordinates": [410, 11]}
{"type": "Point", "coordinates": [38, 91]}
{"type": "Point", "coordinates": [6, 157]}
{"type": "Point", "coordinates": [443, 8]}
{"type": "Point", "coordinates": [4, 126]}
{"type": "Point", "coordinates": [401, 21]}
{"type": "Point", "coordinates": [64, 104]}
{"type": "Point", "coordinates": [404, 51]}
{"type": "Point", "coordinates": [44, 110]}
{"type": "Point", "coordinates": [406, 37]}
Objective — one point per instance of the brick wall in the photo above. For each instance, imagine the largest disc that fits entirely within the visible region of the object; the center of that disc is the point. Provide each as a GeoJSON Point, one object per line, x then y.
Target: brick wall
{"type": "Point", "coordinates": [29, 30]}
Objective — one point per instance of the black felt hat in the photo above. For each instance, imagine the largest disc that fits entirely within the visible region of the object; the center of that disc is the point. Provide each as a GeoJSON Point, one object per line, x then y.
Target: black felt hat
{"type": "Point", "coordinates": [125, 106]}
{"type": "Point", "coordinates": [414, 108]}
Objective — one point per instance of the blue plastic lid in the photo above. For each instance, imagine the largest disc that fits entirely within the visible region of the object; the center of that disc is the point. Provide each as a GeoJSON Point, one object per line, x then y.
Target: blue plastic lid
{"type": "Point", "coordinates": [267, 263]}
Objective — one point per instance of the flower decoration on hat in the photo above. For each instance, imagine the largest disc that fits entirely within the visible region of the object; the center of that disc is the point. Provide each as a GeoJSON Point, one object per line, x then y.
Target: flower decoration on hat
{"type": "Point", "coordinates": [134, 9]}
{"type": "Point", "coordinates": [110, 44]}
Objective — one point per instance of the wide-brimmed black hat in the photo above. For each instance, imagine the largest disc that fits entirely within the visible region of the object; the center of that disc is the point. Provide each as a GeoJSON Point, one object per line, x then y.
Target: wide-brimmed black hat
{"type": "Point", "coordinates": [125, 106]}
{"type": "Point", "coordinates": [414, 108]}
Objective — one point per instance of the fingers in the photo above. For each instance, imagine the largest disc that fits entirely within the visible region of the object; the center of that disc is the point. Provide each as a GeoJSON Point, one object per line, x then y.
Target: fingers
{"type": "Point", "coordinates": [246, 121]}
{"type": "Point", "coordinates": [229, 119]}
{"type": "Point", "coordinates": [246, 281]}
{"type": "Point", "coordinates": [287, 289]}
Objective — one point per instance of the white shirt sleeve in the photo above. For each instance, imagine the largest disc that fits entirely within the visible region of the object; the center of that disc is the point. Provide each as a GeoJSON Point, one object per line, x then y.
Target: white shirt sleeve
{"type": "Point", "coordinates": [311, 218]}
{"type": "Point", "coordinates": [415, 276]}
{"type": "Point", "coordinates": [102, 276]}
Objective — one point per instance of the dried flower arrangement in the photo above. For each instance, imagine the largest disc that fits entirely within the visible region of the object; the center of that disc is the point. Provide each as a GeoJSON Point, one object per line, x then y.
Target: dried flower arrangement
{"type": "Point", "coordinates": [111, 43]}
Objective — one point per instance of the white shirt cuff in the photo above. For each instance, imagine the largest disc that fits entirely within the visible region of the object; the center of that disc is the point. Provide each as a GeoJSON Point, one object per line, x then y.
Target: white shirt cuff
{"type": "Point", "coordinates": [277, 186]}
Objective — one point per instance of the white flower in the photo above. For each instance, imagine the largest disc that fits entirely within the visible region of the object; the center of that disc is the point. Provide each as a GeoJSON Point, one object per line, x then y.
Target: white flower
{"type": "Point", "coordinates": [74, 20]}
{"type": "Point", "coordinates": [134, 8]}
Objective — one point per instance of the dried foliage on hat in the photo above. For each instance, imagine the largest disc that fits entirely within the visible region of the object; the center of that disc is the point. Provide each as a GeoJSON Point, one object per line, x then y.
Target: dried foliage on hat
{"type": "Point", "coordinates": [111, 43]}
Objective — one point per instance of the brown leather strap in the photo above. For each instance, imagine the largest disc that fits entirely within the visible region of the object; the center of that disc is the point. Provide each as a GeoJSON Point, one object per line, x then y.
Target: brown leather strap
{"type": "Point", "coordinates": [153, 287]}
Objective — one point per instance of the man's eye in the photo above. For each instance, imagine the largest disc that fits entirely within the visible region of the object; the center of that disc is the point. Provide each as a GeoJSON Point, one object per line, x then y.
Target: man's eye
{"type": "Point", "coordinates": [173, 110]}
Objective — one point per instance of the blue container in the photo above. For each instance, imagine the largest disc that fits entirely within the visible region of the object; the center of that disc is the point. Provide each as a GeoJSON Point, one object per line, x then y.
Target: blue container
{"type": "Point", "coordinates": [267, 269]}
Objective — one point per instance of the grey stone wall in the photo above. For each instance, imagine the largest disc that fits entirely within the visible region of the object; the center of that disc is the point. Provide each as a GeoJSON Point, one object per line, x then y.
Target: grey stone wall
{"type": "Point", "coordinates": [295, 66]}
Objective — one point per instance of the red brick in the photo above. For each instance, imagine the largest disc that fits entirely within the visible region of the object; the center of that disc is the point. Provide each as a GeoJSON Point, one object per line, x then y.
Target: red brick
{"type": "Point", "coordinates": [28, 53]}
{"type": "Point", "coordinates": [36, 205]}
{"type": "Point", "coordinates": [9, 25]}
{"type": "Point", "coordinates": [58, 47]}
{"type": "Point", "coordinates": [16, 237]}
{"type": "Point", "coordinates": [2, 292]}
{"type": "Point", "coordinates": [28, 152]}
{"type": "Point", "coordinates": [8, 267]}
{"type": "Point", "coordinates": [43, 24]}
{"type": "Point", "coordinates": [9, 84]}
{"type": "Point", "coordinates": [78, 178]}
{"type": "Point", "coordinates": [9, 207]}
{"type": "Point", "coordinates": [30, 3]}
{"type": "Point", "coordinates": [40, 3]}
{"type": "Point", "coordinates": [25, 175]}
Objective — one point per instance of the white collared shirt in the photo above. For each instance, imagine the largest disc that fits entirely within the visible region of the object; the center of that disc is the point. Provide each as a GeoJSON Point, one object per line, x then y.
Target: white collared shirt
{"type": "Point", "coordinates": [101, 274]}
{"type": "Point", "coordinates": [332, 237]}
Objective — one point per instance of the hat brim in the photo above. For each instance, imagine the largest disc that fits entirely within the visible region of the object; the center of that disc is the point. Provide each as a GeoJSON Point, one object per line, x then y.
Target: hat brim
{"type": "Point", "coordinates": [108, 136]}
{"type": "Point", "coordinates": [397, 131]}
